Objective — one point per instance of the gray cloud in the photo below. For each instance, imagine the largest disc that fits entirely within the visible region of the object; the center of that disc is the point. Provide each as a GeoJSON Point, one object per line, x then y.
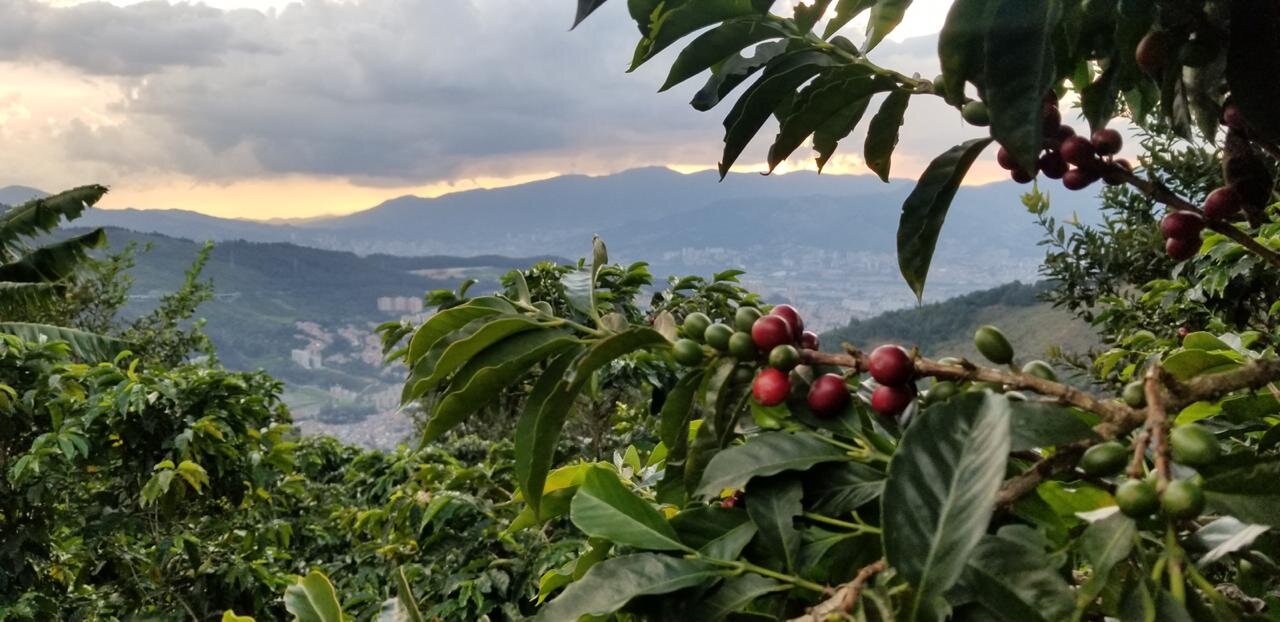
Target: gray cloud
{"type": "Point", "coordinates": [380, 91]}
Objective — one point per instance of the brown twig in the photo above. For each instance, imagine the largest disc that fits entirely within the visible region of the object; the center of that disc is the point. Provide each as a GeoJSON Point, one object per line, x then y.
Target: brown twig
{"type": "Point", "coordinates": [1117, 418]}
{"type": "Point", "coordinates": [1163, 195]}
{"type": "Point", "coordinates": [845, 597]}
{"type": "Point", "coordinates": [1157, 427]}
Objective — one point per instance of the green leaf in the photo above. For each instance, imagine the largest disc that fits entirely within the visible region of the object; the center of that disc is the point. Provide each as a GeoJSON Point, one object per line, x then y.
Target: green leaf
{"type": "Point", "coordinates": [313, 599]}
{"type": "Point", "coordinates": [42, 215]}
{"type": "Point", "coordinates": [940, 491]}
{"type": "Point", "coordinates": [828, 134]}
{"type": "Point", "coordinates": [1017, 581]}
{"type": "Point", "coordinates": [448, 321]}
{"type": "Point", "coordinates": [539, 427]}
{"type": "Point", "coordinates": [1248, 493]}
{"type": "Point", "coordinates": [604, 508]}
{"type": "Point", "coordinates": [1224, 536]}
{"type": "Point", "coordinates": [483, 377]}
{"type": "Point", "coordinates": [457, 348]}
{"type": "Point", "coordinates": [766, 454]}
{"type": "Point", "coordinates": [1187, 364]}
{"type": "Point", "coordinates": [1104, 544]}
{"type": "Point", "coordinates": [1098, 100]}
{"type": "Point", "coordinates": [721, 406]}
{"type": "Point", "coordinates": [1253, 62]}
{"type": "Point", "coordinates": [1019, 70]}
{"type": "Point", "coordinates": [828, 96]}
{"type": "Point", "coordinates": [53, 262]}
{"type": "Point", "coordinates": [773, 504]}
{"type": "Point", "coordinates": [885, 16]}
{"type": "Point", "coordinates": [781, 77]}
{"type": "Point", "coordinates": [926, 208]}
{"type": "Point", "coordinates": [718, 533]}
{"type": "Point", "coordinates": [839, 489]}
{"type": "Point", "coordinates": [846, 11]}
{"type": "Point", "coordinates": [734, 71]}
{"type": "Point", "coordinates": [612, 583]}
{"type": "Point", "coordinates": [673, 430]}
{"type": "Point", "coordinates": [1045, 424]}
{"type": "Point", "coordinates": [684, 19]}
{"type": "Point", "coordinates": [404, 593]}
{"type": "Point", "coordinates": [960, 46]}
{"type": "Point", "coordinates": [718, 44]}
{"type": "Point", "coordinates": [735, 594]}
{"type": "Point", "coordinates": [882, 133]}
{"type": "Point", "coordinates": [84, 346]}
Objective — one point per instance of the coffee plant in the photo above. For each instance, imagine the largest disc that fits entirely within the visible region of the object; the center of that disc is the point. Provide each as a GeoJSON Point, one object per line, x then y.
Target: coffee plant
{"type": "Point", "coordinates": [788, 485]}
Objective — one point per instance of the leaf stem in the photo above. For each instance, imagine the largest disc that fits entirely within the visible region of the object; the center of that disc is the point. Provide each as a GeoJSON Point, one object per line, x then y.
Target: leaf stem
{"type": "Point", "coordinates": [557, 321]}
{"type": "Point", "coordinates": [835, 522]}
{"type": "Point", "coordinates": [746, 566]}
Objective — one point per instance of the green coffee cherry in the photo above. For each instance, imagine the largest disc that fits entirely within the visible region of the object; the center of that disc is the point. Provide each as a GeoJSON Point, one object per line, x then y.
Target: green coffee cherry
{"type": "Point", "coordinates": [1104, 459]}
{"type": "Point", "coordinates": [1040, 369]}
{"type": "Point", "coordinates": [784, 357]}
{"type": "Point", "coordinates": [1137, 498]}
{"type": "Point", "coordinates": [1182, 498]}
{"type": "Point", "coordinates": [742, 346]}
{"type": "Point", "coordinates": [718, 335]}
{"type": "Point", "coordinates": [1194, 445]}
{"type": "Point", "coordinates": [695, 326]}
{"type": "Point", "coordinates": [1135, 394]}
{"type": "Point", "coordinates": [993, 345]}
{"type": "Point", "coordinates": [745, 318]}
{"type": "Point", "coordinates": [975, 113]}
{"type": "Point", "coordinates": [687, 352]}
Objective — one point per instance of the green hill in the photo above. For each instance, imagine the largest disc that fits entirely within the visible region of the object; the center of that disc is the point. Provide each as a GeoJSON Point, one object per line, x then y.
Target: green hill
{"type": "Point", "coordinates": [945, 328]}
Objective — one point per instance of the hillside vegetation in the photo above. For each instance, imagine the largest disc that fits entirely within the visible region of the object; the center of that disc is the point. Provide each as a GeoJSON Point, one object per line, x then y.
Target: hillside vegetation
{"type": "Point", "coordinates": [946, 328]}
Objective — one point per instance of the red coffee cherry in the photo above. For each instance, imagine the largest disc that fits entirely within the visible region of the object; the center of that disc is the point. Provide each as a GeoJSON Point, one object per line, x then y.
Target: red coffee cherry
{"type": "Point", "coordinates": [890, 401]}
{"type": "Point", "coordinates": [1181, 249]}
{"type": "Point", "coordinates": [890, 364]}
{"type": "Point", "coordinates": [1183, 225]}
{"type": "Point", "coordinates": [1078, 179]}
{"type": "Point", "coordinates": [769, 332]}
{"type": "Point", "coordinates": [1052, 165]}
{"type": "Point", "coordinates": [1107, 142]}
{"type": "Point", "coordinates": [792, 316]}
{"type": "Point", "coordinates": [771, 387]}
{"type": "Point", "coordinates": [1078, 151]}
{"type": "Point", "coordinates": [1223, 204]}
{"type": "Point", "coordinates": [828, 396]}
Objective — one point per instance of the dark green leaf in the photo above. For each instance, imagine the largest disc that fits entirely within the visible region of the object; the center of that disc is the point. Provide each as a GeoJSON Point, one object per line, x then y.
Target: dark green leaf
{"type": "Point", "coordinates": [882, 133]}
{"type": "Point", "coordinates": [586, 8]}
{"type": "Point", "coordinates": [960, 46]}
{"type": "Point", "coordinates": [53, 262]}
{"type": "Point", "coordinates": [766, 454]}
{"type": "Point", "coordinates": [846, 11]}
{"type": "Point", "coordinates": [718, 44]}
{"type": "Point", "coordinates": [1018, 71]}
{"type": "Point", "coordinates": [734, 594]}
{"type": "Point", "coordinates": [457, 348]}
{"type": "Point", "coordinates": [940, 491]}
{"type": "Point", "coordinates": [1098, 101]}
{"type": "Point", "coordinates": [781, 77]}
{"type": "Point", "coordinates": [773, 504]}
{"type": "Point", "coordinates": [1224, 536]}
{"type": "Point", "coordinates": [41, 215]}
{"type": "Point", "coordinates": [539, 427]}
{"type": "Point", "coordinates": [1248, 493]}
{"type": "Point", "coordinates": [450, 320]}
{"type": "Point", "coordinates": [838, 489]}
{"type": "Point", "coordinates": [1105, 543]}
{"type": "Point", "coordinates": [926, 208]}
{"type": "Point", "coordinates": [1017, 581]}
{"type": "Point", "coordinates": [721, 404]}
{"type": "Point", "coordinates": [885, 16]}
{"type": "Point", "coordinates": [733, 72]}
{"type": "Point", "coordinates": [483, 377]}
{"type": "Point", "coordinates": [1044, 424]}
{"type": "Point", "coordinates": [605, 508]}
{"type": "Point", "coordinates": [828, 134]}
{"type": "Point", "coordinates": [674, 23]}
{"type": "Point", "coordinates": [715, 531]}
{"type": "Point", "coordinates": [817, 103]}
{"type": "Point", "coordinates": [612, 583]}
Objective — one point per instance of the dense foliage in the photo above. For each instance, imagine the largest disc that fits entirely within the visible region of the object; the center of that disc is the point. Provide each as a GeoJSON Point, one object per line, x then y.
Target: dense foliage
{"type": "Point", "coordinates": [696, 455]}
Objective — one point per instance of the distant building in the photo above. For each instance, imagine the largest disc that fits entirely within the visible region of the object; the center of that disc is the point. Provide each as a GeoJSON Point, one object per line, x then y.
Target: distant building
{"type": "Point", "coordinates": [307, 359]}
{"type": "Point", "coordinates": [390, 304]}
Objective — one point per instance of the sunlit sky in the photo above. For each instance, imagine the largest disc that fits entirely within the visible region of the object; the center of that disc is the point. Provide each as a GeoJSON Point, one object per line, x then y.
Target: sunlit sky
{"type": "Point", "coordinates": [270, 109]}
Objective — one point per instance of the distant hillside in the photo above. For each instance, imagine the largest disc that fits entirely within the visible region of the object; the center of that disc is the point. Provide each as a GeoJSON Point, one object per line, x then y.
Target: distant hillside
{"type": "Point", "coordinates": [946, 328]}
{"type": "Point", "coordinates": [641, 213]}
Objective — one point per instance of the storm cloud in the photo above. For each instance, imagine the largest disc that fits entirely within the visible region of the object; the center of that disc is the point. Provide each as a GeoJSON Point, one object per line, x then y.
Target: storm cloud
{"type": "Point", "coordinates": [381, 92]}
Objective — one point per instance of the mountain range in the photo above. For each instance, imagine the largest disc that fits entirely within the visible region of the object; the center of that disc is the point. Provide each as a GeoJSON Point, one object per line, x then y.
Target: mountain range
{"type": "Point", "coordinates": [640, 213]}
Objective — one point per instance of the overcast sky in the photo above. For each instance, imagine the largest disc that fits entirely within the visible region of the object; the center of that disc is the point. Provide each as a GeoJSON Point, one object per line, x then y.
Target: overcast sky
{"type": "Point", "coordinates": [278, 109]}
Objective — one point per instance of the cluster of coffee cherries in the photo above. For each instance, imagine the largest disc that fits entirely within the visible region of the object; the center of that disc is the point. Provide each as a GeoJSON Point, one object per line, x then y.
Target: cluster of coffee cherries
{"type": "Point", "coordinates": [776, 337]}
{"type": "Point", "coordinates": [1191, 445]}
{"type": "Point", "coordinates": [1076, 160]}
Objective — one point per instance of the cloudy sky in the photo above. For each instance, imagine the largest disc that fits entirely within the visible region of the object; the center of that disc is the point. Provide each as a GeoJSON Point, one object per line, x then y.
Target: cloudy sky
{"type": "Point", "coordinates": [265, 108]}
